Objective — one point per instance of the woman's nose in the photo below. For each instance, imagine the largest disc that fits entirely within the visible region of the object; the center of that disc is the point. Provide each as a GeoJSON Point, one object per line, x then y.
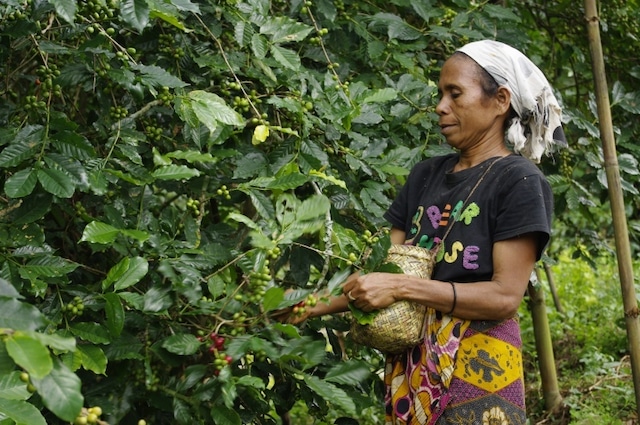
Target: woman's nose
{"type": "Point", "coordinates": [441, 106]}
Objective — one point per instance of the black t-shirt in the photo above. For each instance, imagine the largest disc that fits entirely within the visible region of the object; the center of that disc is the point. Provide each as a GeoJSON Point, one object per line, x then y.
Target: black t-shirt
{"type": "Point", "coordinates": [513, 199]}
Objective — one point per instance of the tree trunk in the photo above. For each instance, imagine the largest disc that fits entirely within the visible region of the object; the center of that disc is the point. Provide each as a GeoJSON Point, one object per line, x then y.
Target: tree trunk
{"type": "Point", "coordinates": [623, 248]}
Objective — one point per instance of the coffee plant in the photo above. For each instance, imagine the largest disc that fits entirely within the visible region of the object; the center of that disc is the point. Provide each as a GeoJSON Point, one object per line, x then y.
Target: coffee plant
{"type": "Point", "coordinates": [174, 173]}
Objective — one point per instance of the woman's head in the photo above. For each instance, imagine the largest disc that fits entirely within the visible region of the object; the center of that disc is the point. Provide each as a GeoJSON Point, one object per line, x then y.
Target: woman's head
{"type": "Point", "coordinates": [473, 108]}
{"type": "Point", "coordinates": [536, 125]}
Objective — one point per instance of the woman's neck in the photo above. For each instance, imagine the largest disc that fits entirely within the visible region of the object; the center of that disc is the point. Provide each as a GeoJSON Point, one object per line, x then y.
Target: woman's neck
{"type": "Point", "coordinates": [470, 159]}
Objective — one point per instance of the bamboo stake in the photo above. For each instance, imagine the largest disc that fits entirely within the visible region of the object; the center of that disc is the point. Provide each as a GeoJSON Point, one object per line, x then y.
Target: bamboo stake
{"type": "Point", "coordinates": [544, 347]}
{"type": "Point", "coordinates": [552, 288]}
{"type": "Point", "coordinates": [623, 248]}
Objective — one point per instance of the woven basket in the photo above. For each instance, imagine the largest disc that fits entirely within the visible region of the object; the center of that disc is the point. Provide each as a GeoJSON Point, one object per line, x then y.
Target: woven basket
{"type": "Point", "coordinates": [399, 326]}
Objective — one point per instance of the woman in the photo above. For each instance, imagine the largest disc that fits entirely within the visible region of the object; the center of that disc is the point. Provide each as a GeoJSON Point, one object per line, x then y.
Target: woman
{"type": "Point", "coordinates": [469, 368]}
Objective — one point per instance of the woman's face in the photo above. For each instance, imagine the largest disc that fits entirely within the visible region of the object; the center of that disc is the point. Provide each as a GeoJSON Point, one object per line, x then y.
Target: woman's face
{"type": "Point", "coordinates": [468, 117]}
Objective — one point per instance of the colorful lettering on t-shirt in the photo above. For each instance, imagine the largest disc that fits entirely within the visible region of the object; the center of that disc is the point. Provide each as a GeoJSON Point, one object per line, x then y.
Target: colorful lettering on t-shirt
{"type": "Point", "coordinates": [440, 218]}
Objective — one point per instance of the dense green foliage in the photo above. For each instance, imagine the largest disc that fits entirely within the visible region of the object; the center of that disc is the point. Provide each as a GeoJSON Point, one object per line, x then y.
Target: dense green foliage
{"type": "Point", "coordinates": [170, 168]}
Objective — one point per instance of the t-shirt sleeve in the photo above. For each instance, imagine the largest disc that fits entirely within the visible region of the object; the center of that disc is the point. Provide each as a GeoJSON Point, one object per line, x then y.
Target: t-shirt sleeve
{"type": "Point", "coordinates": [526, 207]}
{"type": "Point", "coordinates": [397, 212]}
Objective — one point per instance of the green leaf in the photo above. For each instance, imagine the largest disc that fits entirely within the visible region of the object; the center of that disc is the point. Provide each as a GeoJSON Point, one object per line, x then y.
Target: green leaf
{"type": "Point", "coordinates": [168, 18]}
{"type": "Point", "coordinates": [21, 183]}
{"type": "Point", "coordinates": [21, 412]}
{"type": "Point", "coordinates": [331, 393]}
{"type": "Point", "coordinates": [285, 57]}
{"type": "Point", "coordinates": [60, 392]}
{"type": "Point", "coordinates": [288, 182]}
{"type": "Point", "coordinates": [8, 290]}
{"type": "Point", "coordinates": [137, 268]}
{"type": "Point", "coordinates": [12, 387]}
{"type": "Point", "coordinates": [56, 182]}
{"type": "Point", "coordinates": [175, 172]}
{"type": "Point", "coordinates": [93, 358]}
{"type": "Point", "coordinates": [223, 415]}
{"type": "Point", "coordinates": [397, 28]}
{"type": "Point", "coordinates": [90, 331]}
{"type": "Point", "coordinates": [54, 341]}
{"type": "Point", "coordinates": [135, 13]}
{"type": "Point", "coordinates": [97, 232]}
{"type": "Point", "coordinates": [272, 298]}
{"type": "Point", "coordinates": [259, 46]}
{"type": "Point", "coordinates": [20, 316]}
{"type": "Point", "coordinates": [349, 373]}
{"type": "Point", "coordinates": [381, 96]}
{"type": "Point", "coordinates": [116, 272]}
{"type": "Point", "coordinates": [114, 311]}
{"type": "Point", "coordinates": [262, 204]}
{"type": "Point", "coordinates": [157, 300]}
{"type": "Point", "coordinates": [47, 266]}
{"type": "Point", "coordinates": [66, 9]}
{"type": "Point", "coordinates": [193, 156]}
{"type": "Point", "coordinates": [285, 30]}
{"type": "Point", "coordinates": [182, 344]}
{"type": "Point", "coordinates": [25, 146]}
{"type": "Point", "coordinates": [211, 110]}
{"type": "Point", "coordinates": [181, 412]}
{"type": "Point", "coordinates": [313, 207]}
{"type": "Point", "coordinates": [31, 354]}
{"type": "Point", "coordinates": [335, 283]}
{"type": "Point", "coordinates": [157, 77]}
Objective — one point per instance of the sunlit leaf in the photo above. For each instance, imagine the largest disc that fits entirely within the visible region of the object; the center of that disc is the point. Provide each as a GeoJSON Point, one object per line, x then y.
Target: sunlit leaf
{"type": "Point", "coordinates": [31, 354]}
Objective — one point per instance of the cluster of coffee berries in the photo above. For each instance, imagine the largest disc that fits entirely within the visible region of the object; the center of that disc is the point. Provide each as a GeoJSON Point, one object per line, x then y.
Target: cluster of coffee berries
{"type": "Point", "coordinates": [167, 45]}
{"type": "Point", "coordinates": [152, 129]}
{"type": "Point", "coordinates": [216, 349]}
{"type": "Point", "coordinates": [300, 309]}
{"type": "Point", "coordinates": [118, 112]}
{"type": "Point", "coordinates": [193, 206]}
{"type": "Point", "coordinates": [103, 69]}
{"type": "Point", "coordinates": [97, 9]}
{"type": "Point", "coordinates": [369, 238]}
{"type": "Point", "coordinates": [46, 76]}
{"type": "Point", "coordinates": [16, 15]}
{"type": "Point", "coordinates": [165, 96]}
{"type": "Point", "coordinates": [321, 33]}
{"type": "Point", "coordinates": [565, 165]}
{"type": "Point", "coordinates": [229, 86]}
{"type": "Point", "coordinates": [274, 252]}
{"type": "Point", "coordinates": [352, 258]}
{"type": "Point", "coordinates": [224, 192]}
{"type": "Point", "coordinates": [32, 103]}
{"type": "Point", "coordinates": [88, 416]}
{"type": "Point", "coordinates": [258, 281]}
{"type": "Point", "coordinates": [305, 9]}
{"type": "Point", "coordinates": [74, 308]}
{"type": "Point", "coordinates": [24, 377]}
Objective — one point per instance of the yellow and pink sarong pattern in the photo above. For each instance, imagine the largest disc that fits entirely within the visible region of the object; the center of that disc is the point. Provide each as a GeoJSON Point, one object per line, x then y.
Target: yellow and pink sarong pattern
{"type": "Point", "coordinates": [465, 373]}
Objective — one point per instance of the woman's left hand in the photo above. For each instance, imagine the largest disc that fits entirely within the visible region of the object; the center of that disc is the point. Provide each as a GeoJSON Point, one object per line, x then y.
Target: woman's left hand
{"type": "Point", "coordinates": [372, 291]}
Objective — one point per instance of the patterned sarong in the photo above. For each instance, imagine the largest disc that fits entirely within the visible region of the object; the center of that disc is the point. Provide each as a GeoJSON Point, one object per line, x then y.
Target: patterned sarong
{"type": "Point", "coordinates": [465, 372]}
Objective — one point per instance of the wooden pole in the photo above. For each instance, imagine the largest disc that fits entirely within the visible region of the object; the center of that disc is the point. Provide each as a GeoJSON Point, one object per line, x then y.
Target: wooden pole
{"type": "Point", "coordinates": [544, 347]}
{"type": "Point", "coordinates": [623, 248]}
{"type": "Point", "coordinates": [552, 288]}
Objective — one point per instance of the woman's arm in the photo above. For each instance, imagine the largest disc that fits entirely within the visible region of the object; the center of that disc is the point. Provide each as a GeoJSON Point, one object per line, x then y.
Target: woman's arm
{"type": "Point", "coordinates": [496, 299]}
{"type": "Point", "coordinates": [329, 304]}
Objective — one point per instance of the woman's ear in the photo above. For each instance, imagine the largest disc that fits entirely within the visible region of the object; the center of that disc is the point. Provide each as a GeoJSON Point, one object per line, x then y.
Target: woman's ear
{"type": "Point", "coordinates": [503, 97]}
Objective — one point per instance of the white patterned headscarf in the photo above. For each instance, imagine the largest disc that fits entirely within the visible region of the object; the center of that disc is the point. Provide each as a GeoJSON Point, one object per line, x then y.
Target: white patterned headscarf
{"type": "Point", "coordinates": [538, 125]}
